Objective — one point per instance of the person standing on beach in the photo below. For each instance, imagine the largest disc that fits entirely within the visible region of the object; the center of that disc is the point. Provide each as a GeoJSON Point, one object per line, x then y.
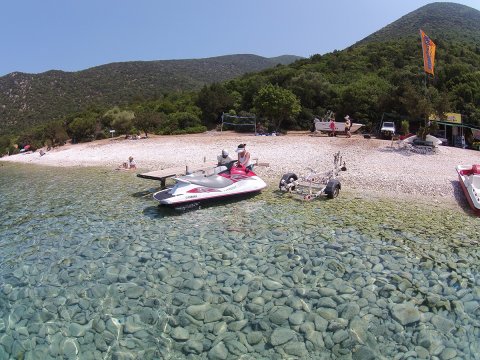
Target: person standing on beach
{"type": "Point", "coordinates": [332, 125]}
{"type": "Point", "coordinates": [348, 124]}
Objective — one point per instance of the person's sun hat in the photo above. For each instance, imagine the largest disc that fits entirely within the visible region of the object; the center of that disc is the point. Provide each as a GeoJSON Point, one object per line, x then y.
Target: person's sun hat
{"type": "Point", "coordinates": [224, 153]}
{"type": "Point", "coordinates": [347, 117]}
{"type": "Point", "coordinates": [240, 148]}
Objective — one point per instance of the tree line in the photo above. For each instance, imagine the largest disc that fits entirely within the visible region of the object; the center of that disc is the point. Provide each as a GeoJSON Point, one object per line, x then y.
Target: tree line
{"type": "Point", "coordinates": [363, 81]}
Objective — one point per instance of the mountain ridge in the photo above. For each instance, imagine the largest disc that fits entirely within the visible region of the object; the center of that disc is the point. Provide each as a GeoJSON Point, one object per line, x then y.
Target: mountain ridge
{"type": "Point", "coordinates": [28, 99]}
{"type": "Point", "coordinates": [281, 59]}
{"type": "Point", "coordinates": [438, 20]}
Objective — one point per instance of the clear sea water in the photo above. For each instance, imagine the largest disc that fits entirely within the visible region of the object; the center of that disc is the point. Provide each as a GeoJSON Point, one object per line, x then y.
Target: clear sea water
{"type": "Point", "coordinates": [91, 267]}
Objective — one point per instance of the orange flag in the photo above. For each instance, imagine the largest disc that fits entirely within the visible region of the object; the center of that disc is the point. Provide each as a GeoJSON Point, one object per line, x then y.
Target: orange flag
{"type": "Point", "coordinates": [428, 47]}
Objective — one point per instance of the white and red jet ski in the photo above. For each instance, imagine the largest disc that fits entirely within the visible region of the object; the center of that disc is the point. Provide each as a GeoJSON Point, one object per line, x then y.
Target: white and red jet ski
{"type": "Point", "coordinates": [195, 189]}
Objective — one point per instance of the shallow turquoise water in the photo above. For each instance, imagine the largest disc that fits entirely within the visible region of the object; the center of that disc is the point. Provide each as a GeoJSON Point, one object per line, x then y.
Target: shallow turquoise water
{"type": "Point", "coordinates": [92, 268]}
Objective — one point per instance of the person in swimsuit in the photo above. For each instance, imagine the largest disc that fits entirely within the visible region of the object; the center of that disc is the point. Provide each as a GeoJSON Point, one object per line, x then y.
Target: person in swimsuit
{"type": "Point", "coordinates": [332, 126]}
{"type": "Point", "coordinates": [244, 157]}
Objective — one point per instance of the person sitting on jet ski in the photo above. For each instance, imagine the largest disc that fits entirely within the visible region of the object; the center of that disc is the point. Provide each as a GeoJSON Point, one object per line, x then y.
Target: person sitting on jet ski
{"type": "Point", "coordinates": [224, 162]}
{"type": "Point", "coordinates": [244, 157]}
{"type": "Point", "coordinates": [224, 159]}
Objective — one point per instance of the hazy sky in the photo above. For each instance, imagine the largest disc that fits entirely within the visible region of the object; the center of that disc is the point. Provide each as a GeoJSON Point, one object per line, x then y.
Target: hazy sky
{"type": "Point", "coordinates": [71, 35]}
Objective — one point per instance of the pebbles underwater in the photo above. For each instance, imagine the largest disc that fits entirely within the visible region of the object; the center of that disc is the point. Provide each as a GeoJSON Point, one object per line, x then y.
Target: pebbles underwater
{"type": "Point", "coordinates": [92, 269]}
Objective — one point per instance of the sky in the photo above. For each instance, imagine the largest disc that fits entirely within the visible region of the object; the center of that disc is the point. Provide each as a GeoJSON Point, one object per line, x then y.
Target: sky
{"type": "Point", "coordinates": [72, 35]}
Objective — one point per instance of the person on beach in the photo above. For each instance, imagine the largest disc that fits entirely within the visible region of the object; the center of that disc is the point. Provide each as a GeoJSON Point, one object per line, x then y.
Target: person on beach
{"type": "Point", "coordinates": [348, 125]}
{"type": "Point", "coordinates": [244, 157]}
{"type": "Point", "coordinates": [224, 159]}
{"type": "Point", "coordinates": [128, 165]}
{"type": "Point", "coordinates": [332, 126]}
{"type": "Point", "coordinates": [131, 163]}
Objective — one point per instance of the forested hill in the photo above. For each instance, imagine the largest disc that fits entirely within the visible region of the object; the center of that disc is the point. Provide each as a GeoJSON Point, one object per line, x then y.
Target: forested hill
{"type": "Point", "coordinates": [30, 99]}
{"type": "Point", "coordinates": [449, 21]}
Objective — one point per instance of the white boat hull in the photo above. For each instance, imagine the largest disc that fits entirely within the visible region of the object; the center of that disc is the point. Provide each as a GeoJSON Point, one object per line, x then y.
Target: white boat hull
{"type": "Point", "coordinates": [324, 126]}
{"type": "Point", "coordinates": [469, 176]}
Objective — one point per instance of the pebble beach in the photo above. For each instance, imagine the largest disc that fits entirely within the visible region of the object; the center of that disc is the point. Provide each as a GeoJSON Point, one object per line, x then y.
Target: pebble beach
{"type": "Point", "coordinates": [380, 167]}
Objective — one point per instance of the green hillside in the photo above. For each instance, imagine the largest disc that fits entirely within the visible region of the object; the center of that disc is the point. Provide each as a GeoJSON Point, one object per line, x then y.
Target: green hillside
{"type": "Point", "coordinates": [30, 99]}
{"type": "Point", "coordinates": [446, 21]}
{"type": "Point", "coordinates": [384, 72]}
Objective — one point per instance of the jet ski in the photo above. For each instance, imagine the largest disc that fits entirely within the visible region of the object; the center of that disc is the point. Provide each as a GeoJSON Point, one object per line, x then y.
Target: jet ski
{"type": "Point", "coordinates": [224, 183]}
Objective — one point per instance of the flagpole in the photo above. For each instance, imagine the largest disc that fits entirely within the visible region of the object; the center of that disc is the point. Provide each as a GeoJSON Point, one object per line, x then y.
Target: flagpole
{"type": "Point", "coordinates": [425, 83]}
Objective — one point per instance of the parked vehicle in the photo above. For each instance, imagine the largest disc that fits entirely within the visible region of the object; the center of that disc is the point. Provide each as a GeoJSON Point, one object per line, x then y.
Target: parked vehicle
{"type": "Point", "coordinates": [388, 130]}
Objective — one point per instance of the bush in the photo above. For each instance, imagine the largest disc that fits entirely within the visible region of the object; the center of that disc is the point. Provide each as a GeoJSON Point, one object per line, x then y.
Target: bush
{"type": "Point", "coordinates": [191, 130]}
{"type": "Point", "coordinates": [100, 135]}
{"type": "Point", "coordinates": [6, 145]}
{"type": "Point", "coordinates": [180, 123]}
{"type": "Point", "coordinates": [405, 127]}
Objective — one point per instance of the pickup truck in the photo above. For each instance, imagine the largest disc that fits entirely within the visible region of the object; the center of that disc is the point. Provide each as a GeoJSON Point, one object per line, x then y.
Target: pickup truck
{"type": "Point", "coordinates": [387, 130]}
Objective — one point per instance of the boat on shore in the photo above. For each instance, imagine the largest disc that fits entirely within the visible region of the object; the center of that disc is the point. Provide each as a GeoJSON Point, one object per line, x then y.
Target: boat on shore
{"type": "Point", "coordinates": [469, 176]}
{"type": "Point", "coordinates": [324, 126]}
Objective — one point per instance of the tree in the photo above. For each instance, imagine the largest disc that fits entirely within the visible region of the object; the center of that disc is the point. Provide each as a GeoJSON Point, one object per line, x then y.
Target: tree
{"type": "Point", "coordinates": [416, 103]}
{"type": "Point", "coordinates": [83, 128]}
{"type": "Point", "coordinates": [182, 123]}
{"type": "Point", "coordinates": [55, 132]}
{"type": "Point", "coordinates": [312, 89]}
{"type": "Point", "coordinates": [147, 121]}
{"type": "Point", "coordinates": [213, 100]}
{"type": "Point", "coordinates": [365, 97]}
{"type": "Point", "coordinates": [276, 104]}
{"type": "Point", "coordinates": [120, 120]}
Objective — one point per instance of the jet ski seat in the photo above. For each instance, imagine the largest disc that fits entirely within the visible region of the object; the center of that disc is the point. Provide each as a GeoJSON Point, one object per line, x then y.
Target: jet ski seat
{"type": "Point", "coordinates": [215, 181]}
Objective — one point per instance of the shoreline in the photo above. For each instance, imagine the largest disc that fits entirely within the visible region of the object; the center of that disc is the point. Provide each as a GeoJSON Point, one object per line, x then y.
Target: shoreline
{"type": "Point", "coordinates": [375, 166]}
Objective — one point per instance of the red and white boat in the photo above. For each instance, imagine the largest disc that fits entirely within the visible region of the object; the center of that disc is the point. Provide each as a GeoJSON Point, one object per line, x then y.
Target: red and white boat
{"type": "Point", "coordinates": [469, 176]}
{"type": "Point", "coordinates": [194, 189]}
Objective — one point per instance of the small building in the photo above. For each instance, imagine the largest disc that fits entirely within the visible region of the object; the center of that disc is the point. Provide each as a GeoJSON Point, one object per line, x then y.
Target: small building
{"type": "Point", "coordinates": [456, 132]}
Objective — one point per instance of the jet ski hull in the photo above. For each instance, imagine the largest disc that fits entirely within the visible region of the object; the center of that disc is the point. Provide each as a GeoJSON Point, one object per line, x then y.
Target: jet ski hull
{"type": "Point", "coordinates": [199, 189]}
